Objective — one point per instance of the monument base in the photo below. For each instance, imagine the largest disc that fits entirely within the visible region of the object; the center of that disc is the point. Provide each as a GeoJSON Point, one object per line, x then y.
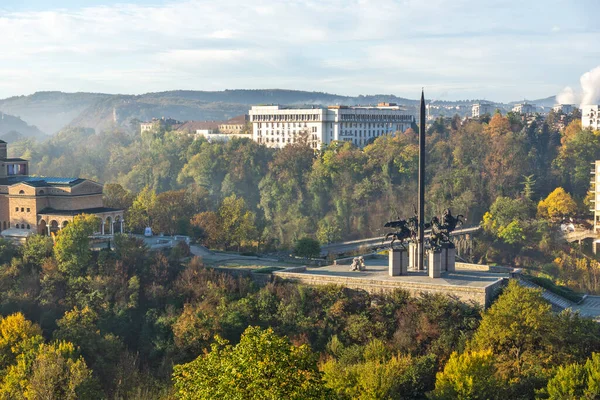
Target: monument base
{"type": "Point", "coordinates": [448, 258]}
{"type": "Point", "coordinates": [435, 263]}
{"type": "Point", "coordinates": [398, 262]}
{"type": "Point", "coordinates": [413, 256]}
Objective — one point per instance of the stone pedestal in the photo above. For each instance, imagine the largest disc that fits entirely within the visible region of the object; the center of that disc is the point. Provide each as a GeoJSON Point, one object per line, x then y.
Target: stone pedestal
{"type": "Point", "coordinates": [413, 256]}
{"type": "Point", "coordinates": [398, 262]}
{"type": "Point", "coordinates": [435, 263]}
{"type": "Point", "coordinates": [448, 258]}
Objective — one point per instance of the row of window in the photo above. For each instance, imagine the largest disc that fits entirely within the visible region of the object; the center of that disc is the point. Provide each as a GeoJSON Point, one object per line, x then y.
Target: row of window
{"type": "Point", "coordinates": [286, 117]}
{"type": "Point", "coordinates": [22, 209]}
{"type": "Point", "coordinates": [366, 125]}
{"type": "Point", "coordinates": [380, 117]}
{"type": "Point", "coordinates": [22, 226]}
{"type": "Point", "coordinates": [283, 125]}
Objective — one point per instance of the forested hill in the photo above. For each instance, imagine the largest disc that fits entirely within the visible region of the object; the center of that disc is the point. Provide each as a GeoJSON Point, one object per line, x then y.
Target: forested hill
{"type": "Point", "coordinates": [13, 129]}
{"type": "Point", "coordinates": [52, 111]}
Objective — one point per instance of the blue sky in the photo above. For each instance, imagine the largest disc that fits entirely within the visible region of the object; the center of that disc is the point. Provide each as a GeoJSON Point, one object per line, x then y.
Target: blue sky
{"type": "Point", "coordinates": [461, 49]}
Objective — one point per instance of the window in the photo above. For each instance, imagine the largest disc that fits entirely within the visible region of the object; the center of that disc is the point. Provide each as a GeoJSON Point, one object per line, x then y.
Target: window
{"type": "Point", "coordinates": [16, 208]}
{"type": "Point", "coordinates": [28, 227]}
{"type": "Point", "coordinates": [22, 209]}
{"type": "Point", "coordinates": [41, 192]}
{"type": "Point", "coordinates": [21, 192]}
{"type": "Point", "coordinates": [28, 209]}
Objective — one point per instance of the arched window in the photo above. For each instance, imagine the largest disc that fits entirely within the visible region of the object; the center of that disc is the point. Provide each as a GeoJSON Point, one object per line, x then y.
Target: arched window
{"type": "Point", "coordinates": [28, 226]}
{"type": "Point", "coordinates": [41, 192]}
{"type": "Point", "coordinates": [21, 192]}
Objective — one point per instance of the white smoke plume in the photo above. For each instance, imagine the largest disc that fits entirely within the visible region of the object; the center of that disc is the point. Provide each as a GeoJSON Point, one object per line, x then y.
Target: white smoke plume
{"type": "Point", "coordinates": [589, 93]}
{"type": "Point", "coordinates": [567, 96]}
{"type": "Point", "coordinates": [590, 83]}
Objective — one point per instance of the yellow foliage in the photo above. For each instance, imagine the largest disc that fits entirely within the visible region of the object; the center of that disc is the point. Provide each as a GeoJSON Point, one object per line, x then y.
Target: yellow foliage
{"type": "Point", "coordinates": [558, 204]}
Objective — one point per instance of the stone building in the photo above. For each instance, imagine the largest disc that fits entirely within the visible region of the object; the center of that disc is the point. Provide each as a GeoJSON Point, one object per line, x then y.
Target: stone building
{"type": "Point", "coordinates": [44, 205]}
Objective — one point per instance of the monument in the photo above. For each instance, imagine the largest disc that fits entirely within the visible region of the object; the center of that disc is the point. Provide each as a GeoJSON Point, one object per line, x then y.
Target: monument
{"type": "Point", "coordinates": [440, 250]}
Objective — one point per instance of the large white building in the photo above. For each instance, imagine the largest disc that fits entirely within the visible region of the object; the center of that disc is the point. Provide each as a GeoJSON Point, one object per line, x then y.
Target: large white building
{"type": "Point", "coordinates": [590, 116]}
{"type": "Point", "coordinates": [480, 109]}
{"type": "Point", "coordinates": [277, 126]}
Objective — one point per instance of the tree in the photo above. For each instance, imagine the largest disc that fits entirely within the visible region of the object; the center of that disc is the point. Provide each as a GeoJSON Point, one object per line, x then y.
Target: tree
{"type": "Point", "coordinates": [140, 213]}
{"type": "Point", "coordinates": [37, 249]}
{"type": "Point", "coordinates": [58, 373]}
{"type": "Point", "coordinates": [116, 196]}
{"type": "Point", "coordinates": [307, 247]}
{"type": "Point", "coordinates": [171, 213]}
{"type": "Point", "coordinates": [519, 330]}
{"type": "Point", "coordinates": [72, 249]}
{"type": "Point", "coordinates": [559, 204]}
{"type": "Point", "coordinates": [17, 336]}
{"type": "Point", "coordinates": [236, 221]}
{"type": "Point", "coordinates": [576, 381]}
{"type": "Point", "coordinates": [208, 228]}
{"type": "Point", "coordinates": [504, 212]}
{"type": "Point", "coordinates": [470, 375]}
{"type": "Point", "coordinates": [261, 366]}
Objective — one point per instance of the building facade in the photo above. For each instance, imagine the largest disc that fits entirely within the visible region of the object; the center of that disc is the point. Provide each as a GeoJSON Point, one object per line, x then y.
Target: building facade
{"type": "Point", "coordinates": [44, 205]}
{"type": "Point", "coordinates": [524, 108]}
{"type": "Point", "coordinates": [234, 126]}
{"type": "Point", "coordinates": [157, 123]}
{"type": "Point", "coordinates": [277, 126]}
{"type": "Point", "coordinates": [564, 108]}
{"type": "Point", "coordinates": [590, 116]}
{"type": "Point", "coordinates": [480, 109]}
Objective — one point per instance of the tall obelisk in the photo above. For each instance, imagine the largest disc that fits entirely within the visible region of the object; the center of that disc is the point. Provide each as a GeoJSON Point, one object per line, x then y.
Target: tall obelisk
{"type": "Point", "coordinates": [421, 243]}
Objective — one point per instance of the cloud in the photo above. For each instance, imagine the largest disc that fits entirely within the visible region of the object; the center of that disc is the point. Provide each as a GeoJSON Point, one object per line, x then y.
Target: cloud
{"type": "Point", "coordinates": [343, 46]}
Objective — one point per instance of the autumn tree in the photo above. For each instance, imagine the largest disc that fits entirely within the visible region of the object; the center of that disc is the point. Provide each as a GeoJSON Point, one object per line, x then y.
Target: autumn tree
{"type": "Point", "coordinates": [261, 366]}
{"type": "Point", "coordinates": [559, 204]}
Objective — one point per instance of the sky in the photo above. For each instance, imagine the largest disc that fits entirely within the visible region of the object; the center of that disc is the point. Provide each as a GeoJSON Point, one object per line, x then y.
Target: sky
{"type": "Point", "coordinates": [500, 50]}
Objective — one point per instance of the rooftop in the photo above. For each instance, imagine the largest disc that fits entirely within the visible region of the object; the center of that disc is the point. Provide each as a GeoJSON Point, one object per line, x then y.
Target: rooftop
{"type": "Point", "coordinates": [40, 181]}
{"type": "Point", "coordinates": [97, 210]}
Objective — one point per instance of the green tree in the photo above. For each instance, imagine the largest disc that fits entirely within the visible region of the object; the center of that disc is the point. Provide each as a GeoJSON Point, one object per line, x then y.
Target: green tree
{"type": "Point", "coordinates": [72, 249]}
{"type": "Point", "coordinates": [519, 329]}
{"type": "Point", "coordinates": [470, 375]}
{"type": "Point", "coordinates": [116, 196]}
{"type": "Point", "coordinates": [261, 366]}
{"type": "Point", "coordinates": [140, 213]}
{"type": "Point", "coordinates": [236, 221]}
{"type": "Point", "coordinates": [37, 249]}
{"type": "Point", "coordinates": [307, 247]}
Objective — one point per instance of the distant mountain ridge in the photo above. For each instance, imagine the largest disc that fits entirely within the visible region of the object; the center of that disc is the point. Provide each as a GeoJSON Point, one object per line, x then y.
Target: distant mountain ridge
{"type": "Point", "coordinates": [52, 111]}
{"type": "Point", "coordinates": [13, 129]}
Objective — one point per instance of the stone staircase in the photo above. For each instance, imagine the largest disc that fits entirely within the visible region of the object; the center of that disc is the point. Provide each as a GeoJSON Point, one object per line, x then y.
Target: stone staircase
{"type": "Point", "coordinates": [552, 298]}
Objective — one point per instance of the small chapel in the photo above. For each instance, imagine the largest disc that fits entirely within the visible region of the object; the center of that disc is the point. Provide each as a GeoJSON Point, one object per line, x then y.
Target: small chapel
{"type": "Point", "coordinates": [44, 205]}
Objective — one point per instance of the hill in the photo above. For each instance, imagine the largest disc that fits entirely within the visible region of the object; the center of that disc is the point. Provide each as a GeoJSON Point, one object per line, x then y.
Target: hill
{"type": "Point", "coordinates": [13, 129]}
{"type": "Point", "coordinates": [52, 111]}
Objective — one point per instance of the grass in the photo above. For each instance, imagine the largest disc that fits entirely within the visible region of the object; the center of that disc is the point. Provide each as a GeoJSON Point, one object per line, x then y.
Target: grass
{"type": "Point", "coordinates": [549, 285]}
